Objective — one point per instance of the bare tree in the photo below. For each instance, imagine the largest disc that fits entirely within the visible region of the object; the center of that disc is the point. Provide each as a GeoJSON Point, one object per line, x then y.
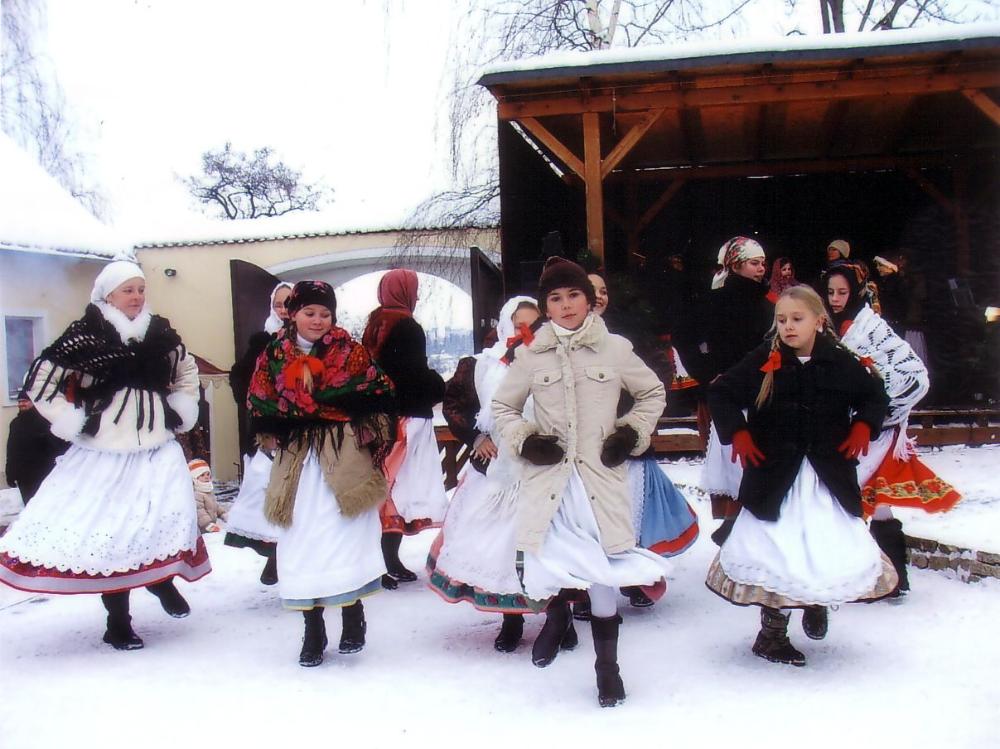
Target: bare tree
{"type": "Point", "coordinates": [33, 108]}
{"type": "Point", "coordinates": [237, 185]}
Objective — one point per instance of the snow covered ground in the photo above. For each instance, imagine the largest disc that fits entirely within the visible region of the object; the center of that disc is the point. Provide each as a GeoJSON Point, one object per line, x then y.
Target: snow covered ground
{"type": "Point", "coordinates": [920, 674]}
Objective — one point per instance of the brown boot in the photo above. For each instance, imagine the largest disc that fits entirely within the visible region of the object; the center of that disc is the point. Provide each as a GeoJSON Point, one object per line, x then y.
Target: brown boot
{"type": "Point", "coordinates": [772, 642]}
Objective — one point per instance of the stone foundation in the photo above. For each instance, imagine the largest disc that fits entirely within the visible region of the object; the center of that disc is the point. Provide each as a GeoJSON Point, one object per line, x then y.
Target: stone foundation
{"type": "Point", "coordinates": [968, 565]}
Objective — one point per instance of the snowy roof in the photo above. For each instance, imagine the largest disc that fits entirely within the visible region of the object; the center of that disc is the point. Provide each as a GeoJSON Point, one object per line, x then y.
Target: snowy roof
{"type": "Point", "coordinates": [200, 230]}
{"type": "Point", "coordinates": [39, 216]}
{"type": "Point", "coordinates": [747, 51]}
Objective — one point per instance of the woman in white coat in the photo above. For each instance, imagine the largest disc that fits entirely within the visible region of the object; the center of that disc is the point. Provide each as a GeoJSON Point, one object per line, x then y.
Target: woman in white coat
{"type": "Point", "coordinates": [118, 511]}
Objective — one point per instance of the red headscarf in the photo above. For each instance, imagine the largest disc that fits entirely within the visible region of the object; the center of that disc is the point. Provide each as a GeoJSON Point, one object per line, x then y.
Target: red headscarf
{"type": "Point", "coordinates": [397, 298]}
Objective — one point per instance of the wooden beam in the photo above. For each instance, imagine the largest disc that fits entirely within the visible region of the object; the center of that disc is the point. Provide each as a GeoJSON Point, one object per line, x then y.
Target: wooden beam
{"type": "Point", "coordinates": [622, 99]}
{"type": "Point", "coordinates": [626, 144]}
{"type": "Point", "coordinates": [562, 152]}
{"type": "Point", "coordinates": [931, 189]}
{"type": "Point", "coordinates": [833, 118]}
{"type": "Point", "coordinates": [797, 166]}
{"type": "Point", "coordinates": [984, 104]}
{"type": "Point", "coordinates": [592, 178]}
{"type": "Point", "coordinates": [694, 135]}
{"type": "Point", "coordinates": [661, 202]}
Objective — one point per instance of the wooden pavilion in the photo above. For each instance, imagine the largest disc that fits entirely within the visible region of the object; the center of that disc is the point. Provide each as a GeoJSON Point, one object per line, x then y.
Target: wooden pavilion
{"type": "Point", "coordinates": [870, 137]}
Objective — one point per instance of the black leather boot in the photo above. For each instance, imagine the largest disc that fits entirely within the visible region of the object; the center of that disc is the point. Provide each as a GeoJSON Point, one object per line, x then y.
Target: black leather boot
{"type": "Point", "coordinates": [352, 638]}
{"type": "Point", "coordinates": [888, 534]}
{"type": "Point", "coordinates": [170, 598]}
{"type": "Point", "coordinates": [815, 622]}
{"type": "Point", "coordinates": [314, 640]}
{"type": "Point", "coordinates": [610, 689]}
{"type": "Point", "coordinates": [119, 634]}
{"type": "Point", "coordinates": [772, 641]}
{"type": "Point", "coordinates": [269, 575]}
{"type": "Point", "coordinates": [581, 610]}
{"type": "Point", "coordinates": [390, 553]}
{"type": "Point", "coordinates": [636, 597]}
{"type": "Point", "coordinates": [510, 635]}
{"type": "Point", "coordinates": [557, 632]}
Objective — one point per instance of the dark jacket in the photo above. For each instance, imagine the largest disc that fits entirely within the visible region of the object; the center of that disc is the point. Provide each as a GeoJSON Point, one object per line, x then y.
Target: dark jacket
{"type": "Point", "coordinates": [461, 406]}
{"type": "Point", "coordinates": [404, 359]}
{"type": "Point", "coordinates": [810, 414]}
{"type": "Point", "coordinates": [32, 450]}
{"type": "Point", "coordinates": [242, 370]}
{"type": "Point", "coordinates": [735, 320]}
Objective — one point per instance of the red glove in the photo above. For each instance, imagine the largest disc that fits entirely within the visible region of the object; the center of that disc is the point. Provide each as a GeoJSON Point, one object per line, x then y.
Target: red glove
{"type": "Point", "coordinates": [746, 449]}
{"type": "Point", "coordinates": [857, 441]}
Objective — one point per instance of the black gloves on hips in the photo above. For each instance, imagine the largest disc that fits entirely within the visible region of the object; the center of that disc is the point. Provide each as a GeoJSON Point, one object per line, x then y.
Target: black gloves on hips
{"type": "Point", "coordinates": [619, 446]}
{"type": "Point", "coordinates": [542, 450]}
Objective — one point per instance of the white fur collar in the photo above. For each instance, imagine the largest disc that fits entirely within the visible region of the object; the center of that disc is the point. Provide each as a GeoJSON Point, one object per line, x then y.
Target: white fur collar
{"type": "Point", "coordinates": [127, 329]}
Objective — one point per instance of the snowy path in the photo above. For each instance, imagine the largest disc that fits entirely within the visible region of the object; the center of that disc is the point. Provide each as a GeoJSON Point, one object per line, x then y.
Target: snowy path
{"type": "Point", "coordinates": [922, 673]}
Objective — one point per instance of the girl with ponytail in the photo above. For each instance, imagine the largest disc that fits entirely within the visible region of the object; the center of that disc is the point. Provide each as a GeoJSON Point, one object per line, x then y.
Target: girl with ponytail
{"type": "Point", "coordinates": [798, 411]}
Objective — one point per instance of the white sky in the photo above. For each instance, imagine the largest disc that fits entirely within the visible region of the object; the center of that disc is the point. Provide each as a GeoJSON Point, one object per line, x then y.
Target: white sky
{"type": "Point", "coordinates": [343, 90]}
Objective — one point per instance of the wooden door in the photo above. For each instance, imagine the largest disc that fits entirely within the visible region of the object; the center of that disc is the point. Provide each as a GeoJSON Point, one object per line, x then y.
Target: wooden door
{"type": "Point", "coordinates": [486, 288]}
{"type": "Point", "coordinates": [251, 288]}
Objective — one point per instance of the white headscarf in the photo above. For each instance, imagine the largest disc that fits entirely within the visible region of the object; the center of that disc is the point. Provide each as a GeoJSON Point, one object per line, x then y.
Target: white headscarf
{"type": "Point", "coordinates": [736, 250]}
{"type": "Point", "coordinates": [273, 323]}
{"type": "Point", "coordinates": [113, 275]}
{"type": "Point", "coordinates": [489, 369]}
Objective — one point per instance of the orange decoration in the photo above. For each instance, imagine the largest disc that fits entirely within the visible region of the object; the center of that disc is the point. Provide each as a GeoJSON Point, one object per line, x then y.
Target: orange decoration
{"type": "Point", "coordinates": [773, 362]}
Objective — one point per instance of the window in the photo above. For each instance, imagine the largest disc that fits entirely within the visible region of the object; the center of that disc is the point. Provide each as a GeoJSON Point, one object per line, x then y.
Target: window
{"type": "Point", "coordinates": [22, 336]}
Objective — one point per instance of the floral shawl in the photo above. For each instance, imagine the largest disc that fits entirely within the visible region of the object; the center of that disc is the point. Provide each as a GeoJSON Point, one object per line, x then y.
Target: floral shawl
{"type": "Point", "coordinates": [296, 394]}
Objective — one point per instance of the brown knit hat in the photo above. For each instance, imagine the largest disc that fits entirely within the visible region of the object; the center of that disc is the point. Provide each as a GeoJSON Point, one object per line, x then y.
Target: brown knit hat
{"type": "Point", "coordinates": [561, 273]}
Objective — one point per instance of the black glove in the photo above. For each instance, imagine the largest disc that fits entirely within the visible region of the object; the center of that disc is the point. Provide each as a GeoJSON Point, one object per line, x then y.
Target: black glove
{"type": "Point", "coordinates": [542, 450]}
{"type": "Point", "coordinates": [619, 446]}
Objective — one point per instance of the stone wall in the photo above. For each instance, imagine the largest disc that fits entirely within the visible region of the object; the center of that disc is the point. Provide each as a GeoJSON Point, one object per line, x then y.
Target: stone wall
{"type": "Point", "coordinates": [968, 565]}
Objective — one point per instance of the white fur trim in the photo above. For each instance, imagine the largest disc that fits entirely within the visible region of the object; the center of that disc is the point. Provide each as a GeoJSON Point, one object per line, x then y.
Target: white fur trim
{"type": "Point", "coordinates": [127, 329]}
{"type": "Point", "coordinates": [519, 433]}
{"type": "Point", "coordinates": [186, 407]}
{"type": "Point", "coordinates": [68, 424]}
{"type": "Point", "coordinates": [629, 420]}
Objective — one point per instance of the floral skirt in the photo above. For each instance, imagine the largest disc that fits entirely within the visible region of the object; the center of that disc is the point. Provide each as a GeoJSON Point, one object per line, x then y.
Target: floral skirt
{"type": "Point", "coordinates": [886, 480]}
{"type": "Point", "coordinates": [104, 522]}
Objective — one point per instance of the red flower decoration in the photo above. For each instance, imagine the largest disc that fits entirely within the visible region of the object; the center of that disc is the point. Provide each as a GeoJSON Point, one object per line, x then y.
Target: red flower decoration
{"type": "Point", "coordinates": [773, 363]}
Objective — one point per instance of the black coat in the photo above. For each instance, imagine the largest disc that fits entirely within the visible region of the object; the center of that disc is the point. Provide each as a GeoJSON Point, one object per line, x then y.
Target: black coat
{"type": "Point", "coordinates": [734, 320]}
{"type": "Point", "coordinates": [32, 450]}
{"type": "Point", "coordinates": [810, 414]}
{"type": "Point", "coordinates": [242, 371]}
{"type": "Point", "coordinates": [404, 358]}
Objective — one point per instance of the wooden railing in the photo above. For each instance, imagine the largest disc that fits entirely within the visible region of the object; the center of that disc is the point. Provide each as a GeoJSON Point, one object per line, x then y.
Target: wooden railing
{"type": "Point", "coordinates": [931, 427]}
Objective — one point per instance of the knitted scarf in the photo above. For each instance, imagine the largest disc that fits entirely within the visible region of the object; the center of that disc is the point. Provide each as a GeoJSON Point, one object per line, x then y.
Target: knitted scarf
{"type": "Point", "coordinates": [92, 346]}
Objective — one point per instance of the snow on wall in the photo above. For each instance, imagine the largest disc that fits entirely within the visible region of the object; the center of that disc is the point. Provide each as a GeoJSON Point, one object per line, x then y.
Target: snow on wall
{"type": "Point", "coordinates": [40, 216]}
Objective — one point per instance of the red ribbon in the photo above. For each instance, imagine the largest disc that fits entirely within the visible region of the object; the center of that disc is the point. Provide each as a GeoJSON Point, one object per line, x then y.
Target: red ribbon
{"type": "Point", "coordinates": [867, 362]}
{"type": "Point", "coordinates": [773, 362]}
{"type": "Point", "coordinates": [524, 334]}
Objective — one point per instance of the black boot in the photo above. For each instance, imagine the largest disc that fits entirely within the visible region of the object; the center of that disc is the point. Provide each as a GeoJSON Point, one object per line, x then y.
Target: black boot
{"type": "Point", "coordinates": [390, 553]}
{"type": "Point", "coordinates": [314, 640]}
{"type": "Point", "coordinates": [772, 641]}
{"type": "Point", "coordinates": [720, 534]}
{"type": "Point", "coordinates": [636, 597]}
{"type": "Point", "coordinates": [557, 632]}
{"type": "Point", "coordinates": [815, 622]}
{"type": "Point", "coordinates": [581, 609]}
{"type": "Point", "coordinates": [510, 633]}
{"type": "Point", "coordinates": [888, 534]}
{"type": "Point", "coordinates": [610, 690]}
{"type": "Point", "coordinates": [119, 634]}
{"type": "Point", "coordinates": [170, 598]}
{"type": "Point", "coordinates": [269, 576]}
{"type": "Point", "coordinates": [352, 638]}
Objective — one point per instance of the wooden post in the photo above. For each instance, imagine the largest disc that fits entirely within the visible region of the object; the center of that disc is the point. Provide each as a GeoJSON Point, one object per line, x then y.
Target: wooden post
{"type": "Point", "coordinates": [592, 179]}
{"type": "Point", "coordinates": [963, 264]}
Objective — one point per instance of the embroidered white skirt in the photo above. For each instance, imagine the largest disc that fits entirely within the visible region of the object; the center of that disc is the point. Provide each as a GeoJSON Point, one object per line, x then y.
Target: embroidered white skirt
{"type": "Point", "coordinates": [246, 516]}
{"type": "Point", "coordinates": [325, 558]}
{"type": "Point", "coordinates": [815, 553]}
{"type": "Point", "coordinates": [418, 492]}
{"type": "Point", "coordinates": [104, 521]}
{"type": "Point", "coordinates": [572, 556]}
{"type": "Point", "coordinates": [478, 546]}
{"type": "Point", "coordinates": [720, 475]}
